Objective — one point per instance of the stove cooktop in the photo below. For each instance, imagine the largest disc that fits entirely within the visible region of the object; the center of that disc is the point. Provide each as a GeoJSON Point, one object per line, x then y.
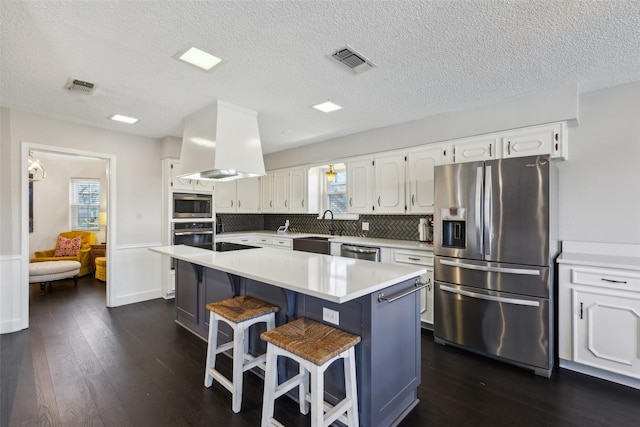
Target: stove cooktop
{"type": "Point", "coordinates": [228, 246]}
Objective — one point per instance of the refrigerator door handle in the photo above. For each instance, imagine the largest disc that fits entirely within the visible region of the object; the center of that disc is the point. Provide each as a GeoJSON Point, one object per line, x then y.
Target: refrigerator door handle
{"type": "Point", "coordinates": [478, 216]}
{"type": "Point", "coordinates": [489, 269]}
{"type": "Point", "coordinates": [488, 212]}
{"type": "Point", "coordinates": [494, 298]}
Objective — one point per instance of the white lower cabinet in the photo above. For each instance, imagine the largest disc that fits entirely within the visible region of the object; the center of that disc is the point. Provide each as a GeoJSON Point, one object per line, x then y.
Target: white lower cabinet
{"type": "Point", "coordinates": [424, 258]}
{"type": "Point", "coordinates": [606, 330]}
{"type": "Point", "coordinates": [599, 313]}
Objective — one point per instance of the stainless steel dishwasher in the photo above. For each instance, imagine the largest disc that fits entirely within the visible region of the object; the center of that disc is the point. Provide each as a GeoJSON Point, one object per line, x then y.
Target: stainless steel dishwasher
{"type": "Point", "coordinates": [368, 253]}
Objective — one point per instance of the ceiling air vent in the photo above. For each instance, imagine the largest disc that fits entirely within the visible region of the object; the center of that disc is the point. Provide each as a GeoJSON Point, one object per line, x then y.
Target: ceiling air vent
{"type": "Point", "coordinates": [352, 59]}
{"type": "Point", "coordinates": [75, 85]}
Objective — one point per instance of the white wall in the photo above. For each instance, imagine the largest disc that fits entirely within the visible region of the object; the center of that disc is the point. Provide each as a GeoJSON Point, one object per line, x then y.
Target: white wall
{"type": "Point", "coordinates": [555, 105]}
{"type": "Point", "coordinates": [599, 184]}
{"type": "Point", "coordinates": [137, 203]}
{"type": "Point", "coordinates": [51, 196]}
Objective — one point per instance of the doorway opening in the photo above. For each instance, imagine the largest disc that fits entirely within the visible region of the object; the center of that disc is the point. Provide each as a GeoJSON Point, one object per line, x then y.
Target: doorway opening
{"type": "Point", "coordinates": [49, 220]}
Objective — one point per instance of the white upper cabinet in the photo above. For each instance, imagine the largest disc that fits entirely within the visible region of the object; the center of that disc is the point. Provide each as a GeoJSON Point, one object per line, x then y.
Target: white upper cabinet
{"type": "Point", "coordinates": [376, 186]}
{"type": "Point", "coordinates": [285, 191]}
{"type": "Point", "coordinates": [281, 191]}
{"type": "Point", "coordinates": [548, 139]}
{"type": "Point", "coordinates": [483, 147]}
{"type": "Point", "coordinates": [248, 195]}
{"type": "Point", "coordinates": [298, 190]}
{"type": "Point", "coordinates": [225, 196]}
{"type": "Point", "coordinates": [421, 165]}
{"type": "Point", "coordinates": [545, 139]}
{"type": "Point", "coordinates": [266, 193]}
{"type": "Point", "coordinates": [389, 183]}
{"type": "Point", "coordinates": [242, 195]}
{"type": "Point", "coordinates": [360, 186]}
{"type": "Point", "coordinates": [185, 184]}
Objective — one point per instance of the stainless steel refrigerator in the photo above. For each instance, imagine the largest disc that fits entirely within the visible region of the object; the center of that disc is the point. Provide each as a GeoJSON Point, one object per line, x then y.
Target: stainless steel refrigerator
{"type": "Point", "coordinates": [495, 244]}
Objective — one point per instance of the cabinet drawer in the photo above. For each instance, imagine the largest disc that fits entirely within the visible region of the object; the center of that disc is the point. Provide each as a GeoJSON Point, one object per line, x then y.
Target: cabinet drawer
{"type": "Point", "coordinates": [412, 257]}
{"type": "Point", "coordinates": [606, 277]}
{"type": "Point", "coordinates": [244, 240]}
{"type": "Point", "coordinates": [282, 243]}
{"type": "Point", "coordinates": [264, 240]}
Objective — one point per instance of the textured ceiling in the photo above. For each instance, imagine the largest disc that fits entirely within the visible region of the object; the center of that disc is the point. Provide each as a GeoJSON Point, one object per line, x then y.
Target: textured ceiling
{"type": "Point", "coordinates": [431, 56]}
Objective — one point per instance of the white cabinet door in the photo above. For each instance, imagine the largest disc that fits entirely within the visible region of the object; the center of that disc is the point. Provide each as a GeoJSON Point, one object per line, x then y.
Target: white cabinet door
{"type": "Point", "coordinates": [178, 184]}
{"type": "Point", "coordinates": [360, 186]}
{"type": "Point", "coordinates": [424, 258]}
{"type": "Point", "coordinates": [420, 178]}
{"type": "Point", "coordinates": [547, 139]}
{"type": "Point", "coordinates": [225, 196]}
{"type": "Point", "coordinates": [389, 184]}
{"type": "Point", "coordinates": [298, 190]}
{"type": "Point", "coordinates": [248, 195]}
{"type": "Point", "coordinates": [266, 192]}
{"type": "Point", "coordinates": [483, 147]}
{"type": "Point", "coordinates": [203, 185]}
{"type": "Point", "coordinates": [191, 185]}
{"type": "Point", "coordinates": [427, 298]}
{"type": "Point", "coordinates": [281, 192]}
{"type": "Point", "coordinates": [606, 330]}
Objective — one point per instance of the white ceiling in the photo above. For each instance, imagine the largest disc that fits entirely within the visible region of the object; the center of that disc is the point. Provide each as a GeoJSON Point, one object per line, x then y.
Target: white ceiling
{"type": "Point", "coordinates": [432, 57]}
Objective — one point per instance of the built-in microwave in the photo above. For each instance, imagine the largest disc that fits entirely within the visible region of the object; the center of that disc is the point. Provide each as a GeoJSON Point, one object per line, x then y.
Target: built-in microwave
{"type": "Point", "coordinates": [188, 205]}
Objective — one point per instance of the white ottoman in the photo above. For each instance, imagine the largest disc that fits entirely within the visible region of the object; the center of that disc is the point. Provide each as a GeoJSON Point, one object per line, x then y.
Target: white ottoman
{"type": "Point", "coordinates": [47, 271]}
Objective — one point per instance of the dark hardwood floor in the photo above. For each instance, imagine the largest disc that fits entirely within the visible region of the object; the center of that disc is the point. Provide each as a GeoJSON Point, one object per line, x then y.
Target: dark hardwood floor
{"type": "Point", "coordinates": [81, 363]}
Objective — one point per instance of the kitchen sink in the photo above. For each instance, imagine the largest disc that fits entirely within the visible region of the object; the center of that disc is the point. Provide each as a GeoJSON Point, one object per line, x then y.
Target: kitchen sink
{"type": "Point", "coordinates": [315, 244]}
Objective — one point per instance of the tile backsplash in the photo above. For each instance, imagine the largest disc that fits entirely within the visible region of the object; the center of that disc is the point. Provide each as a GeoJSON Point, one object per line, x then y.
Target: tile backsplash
{"type": "Point", "coordinates": [401, 227]}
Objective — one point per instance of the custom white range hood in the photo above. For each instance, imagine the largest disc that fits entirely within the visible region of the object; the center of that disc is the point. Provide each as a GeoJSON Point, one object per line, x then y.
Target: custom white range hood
{"type": "Point", "coordinates": [221, 142]}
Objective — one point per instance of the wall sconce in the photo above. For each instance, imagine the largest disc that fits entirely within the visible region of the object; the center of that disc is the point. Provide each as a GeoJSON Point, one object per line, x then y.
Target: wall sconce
{"type": "Point", "coordinates": [36, 171]}
{"type": "Point", "coordinates": [330, 174]}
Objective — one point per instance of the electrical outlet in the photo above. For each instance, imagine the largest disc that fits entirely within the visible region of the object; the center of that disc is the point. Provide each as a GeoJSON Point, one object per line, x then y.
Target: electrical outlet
{"type": "Point", "coordinates": [365, 226]}
{"type": "Point", "coordinates": [330, 316]}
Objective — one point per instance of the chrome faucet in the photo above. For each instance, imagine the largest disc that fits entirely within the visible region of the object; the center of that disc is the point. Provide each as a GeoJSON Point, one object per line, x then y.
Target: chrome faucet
{"type": "Point", "coordinates": [332, 229]}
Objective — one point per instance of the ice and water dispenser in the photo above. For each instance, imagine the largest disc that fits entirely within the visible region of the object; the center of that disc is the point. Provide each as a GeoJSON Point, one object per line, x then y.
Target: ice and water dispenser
{"type": "Point", "coordinates": [454, 221]}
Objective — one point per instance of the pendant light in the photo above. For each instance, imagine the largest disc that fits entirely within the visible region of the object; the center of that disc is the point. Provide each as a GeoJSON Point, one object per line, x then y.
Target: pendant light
{"type": "Point", "coordinates": [330, 174]}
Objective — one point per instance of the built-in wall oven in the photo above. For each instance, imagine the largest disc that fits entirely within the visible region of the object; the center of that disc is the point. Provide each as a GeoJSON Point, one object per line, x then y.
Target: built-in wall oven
{"type": "Point", "coordinates": [188, 205]}
{"type": "Point", "coordinates": [198, 234]}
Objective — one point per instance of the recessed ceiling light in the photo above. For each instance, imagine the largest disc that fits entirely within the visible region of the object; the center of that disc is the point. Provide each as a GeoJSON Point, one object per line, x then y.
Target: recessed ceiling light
{"type": "Point", "coordinates": [199, 58]}
{"type": "Point", "coordinates": [327, 107]}
{"type": "Point", "coordinates": [123, 119]}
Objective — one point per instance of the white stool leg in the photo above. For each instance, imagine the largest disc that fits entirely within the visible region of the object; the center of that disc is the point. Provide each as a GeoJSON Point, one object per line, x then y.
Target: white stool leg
{"type": "Point", "coordinates": [317, 396]}
{"type": "Point", "coordinates": [303, 390]}
{"type": "Point", "coordinates": [351, 387]}
{"type": "Point", "coordinates": [211, 349]}
{"type": "Point", "coordinates": [270, 384]}
{"type": "Point", "coordinates": [238, 364]}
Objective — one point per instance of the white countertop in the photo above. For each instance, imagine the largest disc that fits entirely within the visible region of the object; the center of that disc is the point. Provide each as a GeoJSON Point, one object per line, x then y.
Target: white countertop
{"type": "Point", "coordinates": [600, 254]}
{"type": "Point", "coordinates": [599, 260]}
{"type": "Point", "coordinates": [364, 241]}
{"type": "Point", "coordinates": [328, 277]}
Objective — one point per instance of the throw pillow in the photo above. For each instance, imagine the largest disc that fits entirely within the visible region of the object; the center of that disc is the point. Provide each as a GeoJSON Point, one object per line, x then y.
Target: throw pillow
{"type": "Point", "coordinates": [68, 247]}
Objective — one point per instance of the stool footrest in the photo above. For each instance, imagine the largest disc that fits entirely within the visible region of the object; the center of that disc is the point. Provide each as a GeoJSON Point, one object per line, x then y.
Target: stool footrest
{"type": "Point", "coordinates": [288, 385]}
{"type": "Point", "coordinates": [224, 347]}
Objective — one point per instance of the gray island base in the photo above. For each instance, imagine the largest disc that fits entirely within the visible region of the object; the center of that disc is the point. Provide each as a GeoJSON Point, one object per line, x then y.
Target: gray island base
{"type": "Point", "coordinates": [388, 357]}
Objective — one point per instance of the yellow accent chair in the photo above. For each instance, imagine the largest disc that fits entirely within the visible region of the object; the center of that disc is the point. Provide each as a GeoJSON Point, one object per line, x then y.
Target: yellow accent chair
{"type": "Point", "coordinates": [87, 239]}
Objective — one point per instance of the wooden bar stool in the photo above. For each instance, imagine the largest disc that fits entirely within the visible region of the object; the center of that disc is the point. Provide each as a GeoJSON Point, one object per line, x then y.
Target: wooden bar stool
{"type": "Point", "coordinates": [315, 346]}
{"type": "Point", "coordinates": [239, 313]}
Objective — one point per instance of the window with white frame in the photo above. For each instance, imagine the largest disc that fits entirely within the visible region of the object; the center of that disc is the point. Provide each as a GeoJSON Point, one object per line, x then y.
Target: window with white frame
{"type": "Point", "coordinates": [335, 193]}
{"type": "Point", "coordinates": [84, 204]}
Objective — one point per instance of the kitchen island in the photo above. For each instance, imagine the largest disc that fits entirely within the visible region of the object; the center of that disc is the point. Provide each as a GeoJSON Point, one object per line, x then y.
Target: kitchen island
{"type": "Point", "coordinates": [356, 296]}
